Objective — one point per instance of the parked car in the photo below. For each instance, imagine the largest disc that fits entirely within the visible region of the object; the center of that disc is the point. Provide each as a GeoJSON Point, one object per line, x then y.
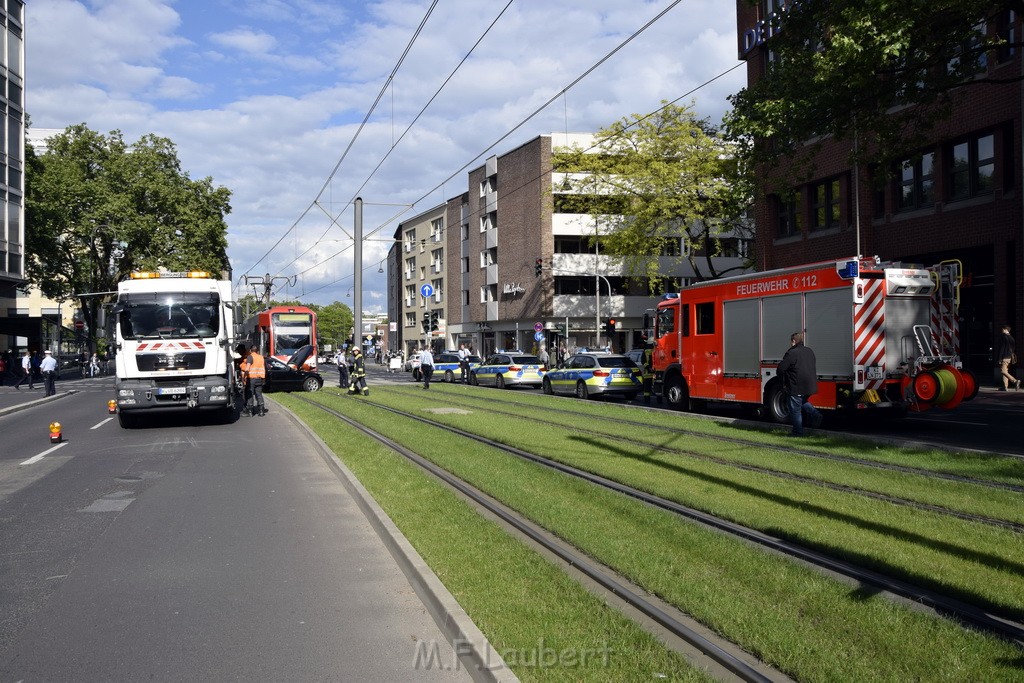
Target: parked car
{"type": "Point", "coordinates": [504, 370]}
{"type": "Point", "coordinates": [595, 374]}
{"type": "Point", "coordinates": [413, 361]}
{"type": "Point", "coordinates": [290, 376]}
{"type": "Point", "coordinates": [446, 366]}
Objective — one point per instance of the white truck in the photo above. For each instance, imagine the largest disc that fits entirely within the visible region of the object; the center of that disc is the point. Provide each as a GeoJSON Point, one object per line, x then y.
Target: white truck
{"type": "Point", "coordinates": [174, 336]}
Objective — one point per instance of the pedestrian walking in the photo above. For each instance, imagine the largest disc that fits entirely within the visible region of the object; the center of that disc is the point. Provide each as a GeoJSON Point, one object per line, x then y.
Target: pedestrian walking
{"type": "Point", "coordinates": [343, 380]}
{"type": "Point", "coordinates": [26, 372]}
{"type": "Point", "coordinates": [358, 373]}
{"type": "Point", "coordinates": [426, 366]}
{"type": "Point", "coordinates": [1006, 355]}
{"type": "Point", "coordinates": [255, 370]}
{"type": "Point", "coordinates": [544, 357]}
{"type": "Point", "coordinates": [799, 372]}
{"type": "Point", "coordinates": [94, 365]}
{"type": "Point", "coordinates": [48, 366]}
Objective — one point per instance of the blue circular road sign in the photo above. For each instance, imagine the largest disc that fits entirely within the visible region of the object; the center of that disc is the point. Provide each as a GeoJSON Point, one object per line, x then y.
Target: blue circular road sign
{"type": "Point", "coordinates": [426, 291]}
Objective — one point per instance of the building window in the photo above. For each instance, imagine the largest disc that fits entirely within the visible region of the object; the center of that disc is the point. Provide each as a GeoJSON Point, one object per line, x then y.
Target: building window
{"type": "Point", "coordinates": [410, 240]}
{"type": "Point", "coordinates": [488, 257]}
{"type": "Point", "coordinates": [437, 260]}
{"type": "Point", "coordinates": [487, 221]}
{"type": "Point", "coordinates": [488, 294]}
{"type": "Point", "coordinates": [410, 295]}
{"type": "Point", "coordinates": [1006, 31]}
{"type": "Point", "coordinates": [825, 198]}
{"type": "Point", "coordinates": [917, 183]}
{"type": "Point", "coordinates": [465, 231]}
{"type": "Point", "coordinates": [438, 286]}
{"type": "Point", "coordinates": [410, 268]}
{"type": "Point", "coordinates": [410, 320]}
{"type": "Point", "coordinates": [972, 166]}
{"type": "Point", "coordinates": [788, 213]}
{"type": "Point", "coordinates": [465, 297]}
{"type": "Point", "coordinates": [436, 229]}
{"type": "Point", "coordinates": [465, 264]}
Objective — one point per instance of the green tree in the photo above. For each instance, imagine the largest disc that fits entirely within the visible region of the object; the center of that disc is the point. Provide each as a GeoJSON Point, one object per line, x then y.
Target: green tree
{"type": "Point", "coordinates": [335, 323]}
{"type": "Point", "coordinates": [97, 208]}
{"type": "Point", "coordinates": [874, 72]}
{"type": "Point", "coordinates": [664, 185]}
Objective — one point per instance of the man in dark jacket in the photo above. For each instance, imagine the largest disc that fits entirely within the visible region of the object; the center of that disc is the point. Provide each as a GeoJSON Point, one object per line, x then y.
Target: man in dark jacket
{"type": "Point", "coordinates": [799, 373]}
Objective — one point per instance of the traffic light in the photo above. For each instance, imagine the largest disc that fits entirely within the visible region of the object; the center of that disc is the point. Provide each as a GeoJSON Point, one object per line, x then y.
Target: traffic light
{"type": "Point", "coordinates": [609, 326]}
{"type": "Point", "coordinates": [539, 267]}
{"type": "Point", "coordinates": [434, 318]}
{"type": "Point", "coordinates": [426, 322]}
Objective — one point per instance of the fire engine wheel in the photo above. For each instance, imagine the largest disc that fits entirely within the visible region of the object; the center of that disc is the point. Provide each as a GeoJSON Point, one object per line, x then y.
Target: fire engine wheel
{"type": "Point", "coordinates": [776, 404]}
{"type": "Point", "coordinates": [449, 376]}
{"type": "Point", "coordinates": [546, 387]}
{"type": "Point", "coordinates": [581, 391]}
{"type": "Point", "coordinates": [677, 395]}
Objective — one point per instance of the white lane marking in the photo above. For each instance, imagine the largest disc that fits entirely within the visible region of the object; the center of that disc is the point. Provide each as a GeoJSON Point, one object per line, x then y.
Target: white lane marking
{"type": "Point", "coordinates": [97, 426]}
{"type": "Point", "coordinates": [36, 458]}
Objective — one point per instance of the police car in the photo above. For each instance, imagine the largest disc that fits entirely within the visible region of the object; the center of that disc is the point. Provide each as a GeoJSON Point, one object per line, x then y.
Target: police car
{"type": "Point", "coordinates": [508, 369]}
{"type": "Point", "coordinates": [446, 366]}
{"type": "Point", "coordinates": [595, 374]}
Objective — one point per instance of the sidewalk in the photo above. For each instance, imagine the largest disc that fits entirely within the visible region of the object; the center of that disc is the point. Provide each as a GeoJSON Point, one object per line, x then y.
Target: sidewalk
{"type": "Point", "coordinates": [12, 400]}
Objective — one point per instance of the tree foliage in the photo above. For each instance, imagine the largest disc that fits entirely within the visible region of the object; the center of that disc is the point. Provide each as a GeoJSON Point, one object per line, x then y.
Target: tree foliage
{"type": "Point", "coordinates": [662, 184]}
{"type": "Point", "coordinates": [97, 208]}
{"type": "Point", "coordinates": [879, 71]}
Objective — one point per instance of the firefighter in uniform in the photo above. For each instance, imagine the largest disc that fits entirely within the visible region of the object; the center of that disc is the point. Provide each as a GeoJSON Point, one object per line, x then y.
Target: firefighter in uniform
{"type": "Point", "coordinates": [255, 371]}
{"type": "Point", "coordinates": [358, 373]}
{"type": "Point", "coordinates": [648, 374]}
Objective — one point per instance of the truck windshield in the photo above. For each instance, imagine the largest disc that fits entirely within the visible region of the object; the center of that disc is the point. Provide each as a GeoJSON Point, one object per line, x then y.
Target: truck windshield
{"type": "Point", "coordinates": [162, 316]}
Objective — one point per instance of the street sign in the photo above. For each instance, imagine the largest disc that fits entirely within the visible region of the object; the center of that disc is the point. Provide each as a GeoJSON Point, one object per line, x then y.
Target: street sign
{"type": "Point", "coordinates": [79, 324]}
{"type": "Point", "coordinates": [427, 291]}
{"type": "Point", "coordinates": [538, 327]}
{"type": "Point", "coordinates": [538, 335]}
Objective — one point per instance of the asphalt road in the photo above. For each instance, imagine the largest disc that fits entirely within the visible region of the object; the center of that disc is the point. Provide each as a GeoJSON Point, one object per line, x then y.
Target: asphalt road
{"type": "Point", "coordinates": [191, 551]}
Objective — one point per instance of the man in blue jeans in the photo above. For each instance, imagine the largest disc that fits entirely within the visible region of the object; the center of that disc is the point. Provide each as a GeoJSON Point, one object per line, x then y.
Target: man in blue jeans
{"type": "Point", "coordinates": [799, 373]}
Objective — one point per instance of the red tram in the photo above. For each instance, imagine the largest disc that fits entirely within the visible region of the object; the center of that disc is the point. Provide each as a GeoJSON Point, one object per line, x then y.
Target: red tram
{"type": "Point", "coordinates": [280, 331]}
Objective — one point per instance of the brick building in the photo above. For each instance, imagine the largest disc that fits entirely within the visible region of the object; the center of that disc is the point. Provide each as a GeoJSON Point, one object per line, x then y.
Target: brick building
{"type": "Point", "coordinates": [506, 257]}
{"type": "Point", "coordinates": [961, 200]}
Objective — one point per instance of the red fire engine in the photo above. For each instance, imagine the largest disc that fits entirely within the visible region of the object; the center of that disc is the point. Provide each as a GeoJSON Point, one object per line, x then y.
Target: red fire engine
{"type": "Point", "coordinates": [886, 336]}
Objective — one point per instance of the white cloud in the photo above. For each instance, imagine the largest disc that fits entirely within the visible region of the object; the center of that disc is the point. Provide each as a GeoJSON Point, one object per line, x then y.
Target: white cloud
{"type": "Point", "coordinates": [266, 95]}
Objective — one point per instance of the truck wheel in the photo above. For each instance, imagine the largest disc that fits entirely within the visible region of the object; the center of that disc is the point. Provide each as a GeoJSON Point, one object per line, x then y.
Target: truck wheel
{"type": "Point", "coordinates": [127, 421]}
{"type": "Point", "coordinates": [677, 394]}
{"type": "Point", "coordinates": [776, 404]}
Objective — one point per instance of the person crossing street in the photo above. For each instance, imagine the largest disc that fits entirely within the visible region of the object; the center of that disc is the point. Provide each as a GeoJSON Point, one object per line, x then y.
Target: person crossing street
{"type": "Point", "coordinates": [358, 373]}
{"type": "Point", "coordinates": [426, 366]}
{"type": "Point", "coordinates": [48, 366]}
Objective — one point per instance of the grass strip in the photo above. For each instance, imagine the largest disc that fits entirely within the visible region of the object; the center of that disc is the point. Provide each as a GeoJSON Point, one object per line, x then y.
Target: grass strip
{"type": "Point", "coordinates": [546, 625]}
{"type": "Point", "coordinates": [978, 563]}
{"type": "Point", "coordinates": [952, 495]}
{"type": "Point", "coordinates": [788, 615]}
{"type": "Point", "coordinates": [993, 467]}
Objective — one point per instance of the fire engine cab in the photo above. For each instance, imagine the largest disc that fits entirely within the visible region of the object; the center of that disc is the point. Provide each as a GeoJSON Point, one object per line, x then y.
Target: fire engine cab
{"type": "Point", "coordinates": [885, 335]}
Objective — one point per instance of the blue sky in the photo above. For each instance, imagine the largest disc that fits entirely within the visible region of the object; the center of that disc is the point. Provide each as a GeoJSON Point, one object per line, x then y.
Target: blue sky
{"type": "Point", "coordinates": [265, 96]}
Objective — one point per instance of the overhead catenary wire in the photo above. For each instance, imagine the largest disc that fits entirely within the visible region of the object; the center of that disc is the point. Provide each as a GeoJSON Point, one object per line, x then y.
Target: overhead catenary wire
{"type": "Point", "coordinates": [561, 93]}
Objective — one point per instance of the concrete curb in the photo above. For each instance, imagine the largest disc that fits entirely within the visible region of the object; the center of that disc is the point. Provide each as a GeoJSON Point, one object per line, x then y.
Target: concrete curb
{"type": "Point", "coordinates": [29, 404]}
{"type": "Point", "coordinates": [480, 659]}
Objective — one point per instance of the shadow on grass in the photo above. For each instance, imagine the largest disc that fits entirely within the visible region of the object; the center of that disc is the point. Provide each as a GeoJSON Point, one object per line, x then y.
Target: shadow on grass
{"type": "Point", "coordinates": [962, 552]}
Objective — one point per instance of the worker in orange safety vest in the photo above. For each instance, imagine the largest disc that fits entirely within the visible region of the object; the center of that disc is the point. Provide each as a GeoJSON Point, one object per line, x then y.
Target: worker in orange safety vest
{"type": "Point", "coordinates": [254, 369]}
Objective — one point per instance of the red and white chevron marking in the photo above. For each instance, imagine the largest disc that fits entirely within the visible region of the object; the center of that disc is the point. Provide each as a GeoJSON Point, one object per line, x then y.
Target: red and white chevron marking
{"type": "Point", "coordinates": [869, 330]}
{"type": "Point", "coordinates": [169, 346]}
{"type": "Point", "coordinates": [946, 325]}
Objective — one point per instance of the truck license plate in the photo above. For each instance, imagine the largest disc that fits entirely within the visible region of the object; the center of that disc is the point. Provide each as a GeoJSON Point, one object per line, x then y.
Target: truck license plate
{"type": "Point", "coordinates": [170, 391]}
{"type": "Point", "coordinates": [875, 372]}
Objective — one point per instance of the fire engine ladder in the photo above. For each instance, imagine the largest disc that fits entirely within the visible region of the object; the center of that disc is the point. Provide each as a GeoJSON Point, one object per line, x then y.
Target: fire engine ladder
{"type": "Point", "coordinates": [947, 276]}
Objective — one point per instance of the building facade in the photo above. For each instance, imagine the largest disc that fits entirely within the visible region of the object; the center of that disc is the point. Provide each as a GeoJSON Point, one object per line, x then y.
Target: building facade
{"type": "Point", "coordinates": [20, 321]}
{"type": "Point", "coordinates": [958, 198]}
{"type": "Point", "coordinates": [508, 269]}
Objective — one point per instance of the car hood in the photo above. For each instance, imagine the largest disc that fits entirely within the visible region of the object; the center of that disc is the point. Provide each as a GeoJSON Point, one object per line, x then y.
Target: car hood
{"type": "Point", "coordinates": [301, 356]}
